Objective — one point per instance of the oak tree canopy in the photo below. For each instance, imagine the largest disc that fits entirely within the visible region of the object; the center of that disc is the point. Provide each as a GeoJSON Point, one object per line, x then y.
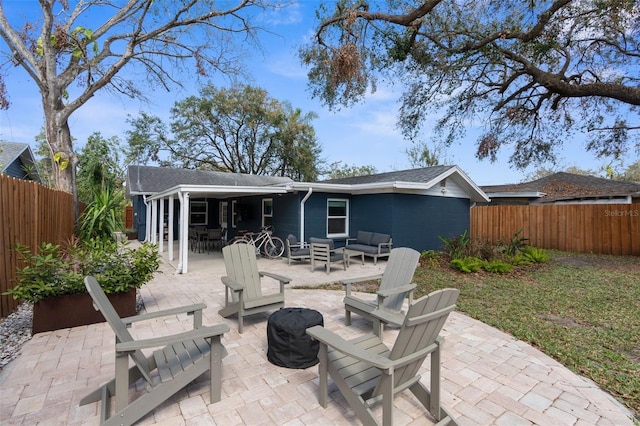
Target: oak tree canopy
{"type": "Point", "coordinates": [532, 72]}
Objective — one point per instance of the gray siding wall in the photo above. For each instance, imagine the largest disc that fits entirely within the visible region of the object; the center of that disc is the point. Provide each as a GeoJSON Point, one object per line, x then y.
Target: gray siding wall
{"type": "Point", "coordinates": [16, 170]}
{"type": "Point", "coordinates": [286, 215]}
{"type": "Point", "coordinates": [415, 221]}
{"type": "Point", "coordinates": [419, 221]}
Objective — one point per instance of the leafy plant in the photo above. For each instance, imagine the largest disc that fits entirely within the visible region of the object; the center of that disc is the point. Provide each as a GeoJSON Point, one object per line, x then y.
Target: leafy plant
{"type": "Point", "coordinates": [430, 259]}
{"type": "Point", "coordinates": [497, 266]}
{"type": "Point", "coordinates": [467, 264]}
{"type": "Point", "coordinates": [515, 244]}
{"type": "Point", "coordinates": [51, 271]}
{"type": "Point", "coordinates": [455, 247]}
{"type": "Point", "coordinates": [536, 255]}
{"type": "Point", "coordinates": [103, 216]}
{"type": "Point", "coordinates": [520, 259]}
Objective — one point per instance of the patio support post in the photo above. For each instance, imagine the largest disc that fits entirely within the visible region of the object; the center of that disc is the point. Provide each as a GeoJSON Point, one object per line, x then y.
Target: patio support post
{"type": "Point", "coordinates": [161, 226]}
{"type": "Point", "coordinates": [154, 221]}
{"type": "Point", "coordinates": [183, 262]}
{"type": "Point", "coordinates": [147, 226]}
{"type": "Point", "coordinates": [170, 225]}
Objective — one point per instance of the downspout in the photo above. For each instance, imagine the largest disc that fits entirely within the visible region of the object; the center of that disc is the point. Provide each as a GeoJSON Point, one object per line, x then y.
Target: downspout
{"type": "Point", "coordinates": [304, 200]}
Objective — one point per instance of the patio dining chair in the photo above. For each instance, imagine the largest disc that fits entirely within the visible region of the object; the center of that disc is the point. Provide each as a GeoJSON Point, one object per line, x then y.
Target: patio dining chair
{"type": "Point", "coordinates": [395, 286]}
{"type": "Point", "coordinates": [181, 359]}
{"type": "Point", "coordinates": [324, 254]}
{"type": "Point", "coordinates": [297, 250]}
{"type": "Point", "coordinates": [367, 372]}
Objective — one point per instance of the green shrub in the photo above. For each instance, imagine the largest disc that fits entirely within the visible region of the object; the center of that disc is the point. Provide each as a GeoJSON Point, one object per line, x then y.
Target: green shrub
{"type": "Point", "coordinates": [467, 264]}
{"type": "Point", "coordinates": [515, 244]}
{"type": "Point", "coordinates": [456, 247]}
{"type": "Point", "coordinates": [51, 271]}
{"type": "Point", "coordinates": [103, 216]}
{"type": "Point", "coordinates": [430, 258]}
{"type": "Point", "coordinates": [520, 259]}
{"type": "Point", "coordinates": [497, 266]}
{"type": "Point", "coordinates": [536, 255]}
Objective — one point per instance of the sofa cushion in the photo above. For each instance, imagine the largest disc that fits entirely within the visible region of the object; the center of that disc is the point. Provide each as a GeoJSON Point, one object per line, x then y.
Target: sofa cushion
{"type": "Point", "coordinates": [379, 239]}
{"type": "Point", "coordinates": [363, 248]}
{"type": "Point", "coordinates": [364, 237]}
{"type": "Point", "coordinates": [322, 241]}
{"type": "Point", "coordinates": [300, 252]}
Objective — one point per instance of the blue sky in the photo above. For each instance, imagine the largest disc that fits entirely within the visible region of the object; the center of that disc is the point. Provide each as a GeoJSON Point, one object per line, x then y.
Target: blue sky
{"type": "Point", "coordinates": [363, 135]}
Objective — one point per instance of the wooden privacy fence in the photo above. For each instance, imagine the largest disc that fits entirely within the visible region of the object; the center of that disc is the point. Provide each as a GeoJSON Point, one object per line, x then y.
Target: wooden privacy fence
{"type": "Point", "coordinates": [30, 214]}
{"type": "Point", "coordinates": [585, 228]}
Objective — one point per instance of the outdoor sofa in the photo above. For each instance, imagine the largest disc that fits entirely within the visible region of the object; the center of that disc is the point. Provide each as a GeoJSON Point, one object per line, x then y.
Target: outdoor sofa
{"type": "Point", "coordinates": [372, 244]}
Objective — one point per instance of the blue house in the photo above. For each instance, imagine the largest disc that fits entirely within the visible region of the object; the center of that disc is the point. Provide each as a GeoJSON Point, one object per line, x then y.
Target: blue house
{"type": "Point", "coordinates": [415, 206]}
{"type": "Point", "coordinates": [17, 160]}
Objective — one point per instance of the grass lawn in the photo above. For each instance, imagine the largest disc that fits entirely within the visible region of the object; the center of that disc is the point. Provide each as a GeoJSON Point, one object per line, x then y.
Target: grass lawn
{"type": "Point", "coordinates": [581, 309]}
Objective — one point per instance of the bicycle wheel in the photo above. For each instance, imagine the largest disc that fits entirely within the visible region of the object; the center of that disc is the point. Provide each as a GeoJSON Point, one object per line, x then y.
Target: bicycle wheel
{"type": "Point", "coordinates": [239, 240]}
{"type": "Point", "coordinates": [274, 248]}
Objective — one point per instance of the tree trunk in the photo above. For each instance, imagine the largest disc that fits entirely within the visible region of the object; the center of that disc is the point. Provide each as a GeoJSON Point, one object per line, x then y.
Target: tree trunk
{"type": "Point", "coordinates": [63, 158]}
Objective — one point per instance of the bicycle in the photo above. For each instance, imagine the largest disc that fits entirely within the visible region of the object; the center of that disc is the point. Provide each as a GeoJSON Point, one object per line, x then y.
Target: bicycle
{"type": "Point", "coordinates": [263, 241]}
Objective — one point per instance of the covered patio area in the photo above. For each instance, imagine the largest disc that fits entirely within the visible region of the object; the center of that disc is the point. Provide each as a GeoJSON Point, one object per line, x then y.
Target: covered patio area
{"type": "Point", "coordinates": [488, 377]}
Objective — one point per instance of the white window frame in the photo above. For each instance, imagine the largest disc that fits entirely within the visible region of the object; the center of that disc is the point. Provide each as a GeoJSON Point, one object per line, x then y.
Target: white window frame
{"type": "Point", "coordinates": [266, 214]}
{"type": "Point", "coordinates": [224, 213]}
{"type": "Point", "coordinates": [192, 204]}
{"type": "Point", "coordinates": [234, 213]}
{"type": "Point", "coordinates": [346, 218]}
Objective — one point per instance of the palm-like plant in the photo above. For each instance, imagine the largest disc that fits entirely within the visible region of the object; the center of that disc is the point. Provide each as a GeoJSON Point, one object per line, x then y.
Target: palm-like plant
{"type": "Point", "coordinates": [103, 216]}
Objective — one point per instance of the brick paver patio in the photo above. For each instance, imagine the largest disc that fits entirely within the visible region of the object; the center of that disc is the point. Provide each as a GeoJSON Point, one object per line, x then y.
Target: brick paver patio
{"type": "Point", "coordinates": [488, 377]}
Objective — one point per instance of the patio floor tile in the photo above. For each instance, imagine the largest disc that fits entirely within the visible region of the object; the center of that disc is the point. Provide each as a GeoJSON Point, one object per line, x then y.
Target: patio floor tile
{"type": "Point", "coordinates": [487, 376]}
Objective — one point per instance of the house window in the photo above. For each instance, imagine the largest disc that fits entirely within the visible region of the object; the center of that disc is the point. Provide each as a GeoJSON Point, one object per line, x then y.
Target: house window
{"type": "Point", "coordinates": [337, 218]}
{"type": "Point", "coordinates": [198, 213]}
{"type": "Point", "coordinates": [224, 214]}
{"type": "Point", "coordinates": [234, 213]}
{"type": "Point", "coordinates": [267, 211]}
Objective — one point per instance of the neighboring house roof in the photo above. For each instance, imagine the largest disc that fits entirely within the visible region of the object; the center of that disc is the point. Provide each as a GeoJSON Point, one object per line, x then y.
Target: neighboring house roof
{"type": "Point", "coordinates": [564, 186]}
{"type": "Point", "coordinates": [15, 158]}
{"type": "Point", "coordinates": [151, 180]}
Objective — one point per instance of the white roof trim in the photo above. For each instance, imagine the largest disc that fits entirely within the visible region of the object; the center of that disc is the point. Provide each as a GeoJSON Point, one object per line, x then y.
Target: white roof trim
{"type": "Point", "coordinates": [516, 194]}
{"type": "Point", "coordinates": [475, 193]}
{"type": "Point", "coordinates": [472, 188]}
{"type": "Point", "coordinates": [219, 189]}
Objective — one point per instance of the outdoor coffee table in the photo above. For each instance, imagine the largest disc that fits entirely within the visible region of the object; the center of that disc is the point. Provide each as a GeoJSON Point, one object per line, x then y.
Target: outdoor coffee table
{"type": "Point", "coordinates": [348, 254]}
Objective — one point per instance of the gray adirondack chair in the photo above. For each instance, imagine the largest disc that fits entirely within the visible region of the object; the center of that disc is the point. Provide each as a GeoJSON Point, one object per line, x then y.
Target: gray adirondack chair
{"type": "Point", "coordinates": [366, 372]}
{"type": "Point", "coordinates": [395, 285]}
{"type": "Point", "coordinates": [182, 358]}
{"type": "Point", "coordinates": [243, 289]}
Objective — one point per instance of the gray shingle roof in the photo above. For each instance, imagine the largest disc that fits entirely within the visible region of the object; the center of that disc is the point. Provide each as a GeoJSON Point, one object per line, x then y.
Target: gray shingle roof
{"type": "Point", "coordinates": [9, 152]}
{"type": "Point", "coordinates": [148, 179]}
{"type": "Point", "coordinates": [425, 174]}
{"type": "Point", "coordinates": [564, 184]}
